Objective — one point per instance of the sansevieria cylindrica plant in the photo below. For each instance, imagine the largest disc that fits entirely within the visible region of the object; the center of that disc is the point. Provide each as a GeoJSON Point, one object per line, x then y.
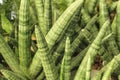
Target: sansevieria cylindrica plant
{"type": "Point", "coordinates": [60, 49]}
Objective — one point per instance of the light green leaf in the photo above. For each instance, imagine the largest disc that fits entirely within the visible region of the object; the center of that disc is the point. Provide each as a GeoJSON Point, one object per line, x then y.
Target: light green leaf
{"type": "Point", "coordinates": [6, 24]}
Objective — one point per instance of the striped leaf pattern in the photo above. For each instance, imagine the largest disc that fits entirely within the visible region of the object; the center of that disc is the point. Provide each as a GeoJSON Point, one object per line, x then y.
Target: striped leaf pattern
{"type": "Point", "coordinates": [77, 31]}
{"type": "Point", "coordinates": [86, 18]}
{"type": "Point", "coordinates": [35, 65]}
{"type": "Point", "coordinates": [88, 69]}
{"type": "Point", "coordinates": [90, 5]}
{"type": "Point", "coordinates": [9, 56]}
{"type": "Point", "coordinates": [9, 75]}
{"type": "Point", "coordinates": [45, 57]}
{"type": "Point", "coordinates": [91, 51]}
{"type": "Point", "coordinates": [112, 45]}
{"type": "Point", "coordinates": [24, 36]}
{"type": "Point", "coordinates": [60, 48]}
{"type": "Point", "coordinates": [69, 32]}
{"type": "Point", "coordinates": [61, 23]}
{"type": "Point", "coordinates": [103, 12]}
{"type": "Point", "coordinates": [48, 14]}
{"type": "Point", "coordinates": [82, 33]}
{"type": "Point", "coordinates": [66, 62]}
{"type": "Point", "coordinates": [94, 30]}
{"type": "Point", "coordinates": [77, 59]}
{"type": "Point", "coordinates": [108, 72]}
{"type": "Point", "coordinates": [40, 14]}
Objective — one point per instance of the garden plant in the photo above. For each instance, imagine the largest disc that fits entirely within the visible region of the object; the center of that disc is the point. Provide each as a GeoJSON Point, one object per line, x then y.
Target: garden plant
{"type": "Point", "coordinates": [60, 40]}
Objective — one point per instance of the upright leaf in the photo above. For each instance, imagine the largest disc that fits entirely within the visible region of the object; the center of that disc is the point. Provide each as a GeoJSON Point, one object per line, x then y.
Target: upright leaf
{"type": "Point", "coordinates": [40, 14]}
{"type": "Point", "coordinates": [24, 36]}
{"type": "Point", "coordinates": [48, 14]}
{"type": "Point", "coordinates": [88, 69]}
{"type": "Point", "coordinates": [103, 12]}
{"type": "Point", "coordinates": [45, 57]}
{"type": "Point", "coordinates": [66, 62]}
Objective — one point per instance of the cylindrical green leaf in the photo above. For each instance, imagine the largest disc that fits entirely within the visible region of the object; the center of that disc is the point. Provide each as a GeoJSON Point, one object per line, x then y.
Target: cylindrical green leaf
{"type": "Point", "coordinates": [66, 62]}
{"type": "Point", "coordinates": [9, 75]}
{"type": "Point", "coordinates": [61, 24]}
{"type": "Point", "coordinates": [24, 37]}
{"type": "Point", "coordinates": [45, 57]}
{"type": "Point", "coordinates": [40, 14]}
{"type": "Point", "coordinates": [9, 56]}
